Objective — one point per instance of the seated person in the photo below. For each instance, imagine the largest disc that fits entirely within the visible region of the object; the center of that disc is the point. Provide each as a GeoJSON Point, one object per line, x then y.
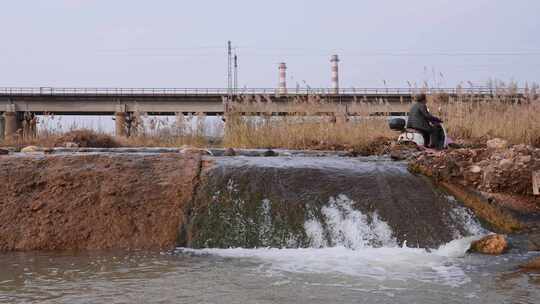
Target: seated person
{"type": "Point", "coordinates": [421, 120]}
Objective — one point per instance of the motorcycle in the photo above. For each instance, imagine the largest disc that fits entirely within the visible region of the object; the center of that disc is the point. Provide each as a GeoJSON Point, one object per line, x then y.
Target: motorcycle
{"type": "Point", "coordinates": [408, 135]}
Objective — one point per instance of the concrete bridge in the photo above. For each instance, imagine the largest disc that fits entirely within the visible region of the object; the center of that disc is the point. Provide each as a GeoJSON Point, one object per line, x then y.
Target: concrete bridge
{"type": "Point", "coordinates": [20, 105]}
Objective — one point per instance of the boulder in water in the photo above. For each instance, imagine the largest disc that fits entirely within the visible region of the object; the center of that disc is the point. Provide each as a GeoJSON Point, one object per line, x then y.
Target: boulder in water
{"type": "Point", "coordinates": [494, 244]}
{"type": "Point", "coordinates": [269, 153]}
{"type": "Point", "coordinates": [36, 150]}
{"type": "Point", "coordinates": [31, 149]}
{"type": "Point", "coordinates": [4, 152]}
{"type": "Point", "coordinates": [533, 264]}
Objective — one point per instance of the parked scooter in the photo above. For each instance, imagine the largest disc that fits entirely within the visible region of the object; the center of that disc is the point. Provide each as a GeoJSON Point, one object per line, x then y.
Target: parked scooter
{"type": "Point", "coordinates": [414, 136]}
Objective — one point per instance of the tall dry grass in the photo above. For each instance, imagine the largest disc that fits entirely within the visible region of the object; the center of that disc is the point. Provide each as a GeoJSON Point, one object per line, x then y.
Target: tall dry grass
{"type": "Point", "coordinates": [470, 118]}
{"type": "Point", "coordinates": [311, 123]}
{"type": "Point", "coordinates": [296, 132]}
{"type": "Point", "coordinates": [516, 119]}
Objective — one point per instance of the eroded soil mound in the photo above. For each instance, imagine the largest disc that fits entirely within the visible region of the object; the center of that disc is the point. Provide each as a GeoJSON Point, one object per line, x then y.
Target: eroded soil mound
{"type": "Point", "coordinates": [94, 201]}
{"type": "Point", "coordinates": [491, 170]}
{"type": "Point", "coordinates": [496, 182]}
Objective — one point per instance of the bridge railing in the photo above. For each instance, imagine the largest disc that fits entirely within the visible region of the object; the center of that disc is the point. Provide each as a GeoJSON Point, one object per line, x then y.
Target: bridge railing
{"type": "Point", "coordinates": [248, 91]}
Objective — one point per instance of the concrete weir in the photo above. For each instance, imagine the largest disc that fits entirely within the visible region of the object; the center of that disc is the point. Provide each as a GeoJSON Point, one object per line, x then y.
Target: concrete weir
{"type": "Point", "coordinates": [159, 199]}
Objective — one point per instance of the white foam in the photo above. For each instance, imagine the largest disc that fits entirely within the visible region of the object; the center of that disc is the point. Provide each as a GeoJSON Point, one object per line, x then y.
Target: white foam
{"type": "Point", "coordinates": [466, 219]}
{"type": "Point", "coordinates": [346, 241]}
{"type": "Point", "coordinates": [395, 263]}
{"type": "Point", "coordinates": [456, 248]}
{"type": "Point", "coordinates": [348, 227]}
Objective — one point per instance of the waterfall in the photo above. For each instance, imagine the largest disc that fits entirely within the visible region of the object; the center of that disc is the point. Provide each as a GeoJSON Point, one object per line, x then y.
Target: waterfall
{"type": "Point", "coordinates": [310, 202]}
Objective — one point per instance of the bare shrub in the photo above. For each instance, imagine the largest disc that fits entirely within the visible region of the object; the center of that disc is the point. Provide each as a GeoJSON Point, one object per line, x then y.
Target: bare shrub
{"type": "Point", "coordinates": [87, 138]}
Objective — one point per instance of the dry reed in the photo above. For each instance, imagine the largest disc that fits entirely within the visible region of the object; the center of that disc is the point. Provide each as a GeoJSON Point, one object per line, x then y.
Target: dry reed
{"type": "Point", "coordinates": [506, 116]}
{"type": "Point", "coordinates": [315, 124]}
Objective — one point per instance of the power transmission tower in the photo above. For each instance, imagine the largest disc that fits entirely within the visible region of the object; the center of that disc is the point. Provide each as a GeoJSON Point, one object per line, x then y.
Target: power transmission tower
{"type": "Point", "coordinates": [229, 68]}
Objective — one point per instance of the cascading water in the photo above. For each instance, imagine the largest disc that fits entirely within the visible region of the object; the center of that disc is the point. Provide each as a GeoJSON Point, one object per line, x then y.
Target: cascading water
{"type": "Point", "coordinates": [348, 227]}
{"type": "Point", "coordinates": [321, 202]}
{"type": "Point", "coordinates": [369, 219]}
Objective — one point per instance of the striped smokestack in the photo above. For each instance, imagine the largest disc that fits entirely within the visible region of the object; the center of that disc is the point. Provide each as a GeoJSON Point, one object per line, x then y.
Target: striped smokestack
{"type": "Point", "coordinates": [335, 74]}
{"type": "Point", "coordinates": [282, 88]}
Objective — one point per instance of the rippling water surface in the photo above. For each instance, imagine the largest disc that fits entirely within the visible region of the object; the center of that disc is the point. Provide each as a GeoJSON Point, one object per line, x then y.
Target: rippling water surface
{"type": "Point", "coordinates": [326, 275]}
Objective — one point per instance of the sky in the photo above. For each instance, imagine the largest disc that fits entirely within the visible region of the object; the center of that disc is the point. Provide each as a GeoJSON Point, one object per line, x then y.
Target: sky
{"type": "Point", "coordinates": [182, 44]}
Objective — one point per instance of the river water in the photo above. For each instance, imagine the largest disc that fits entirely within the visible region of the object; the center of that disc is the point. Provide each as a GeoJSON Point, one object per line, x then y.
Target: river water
{"type": "Point", "coordinates": [327, 275]}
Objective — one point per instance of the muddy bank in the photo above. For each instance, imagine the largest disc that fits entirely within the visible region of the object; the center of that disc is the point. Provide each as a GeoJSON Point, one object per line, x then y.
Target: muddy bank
{"type": "Point", "coordinates": [496, 182]}
{"type": "Point", "coordinates": [94, 201]}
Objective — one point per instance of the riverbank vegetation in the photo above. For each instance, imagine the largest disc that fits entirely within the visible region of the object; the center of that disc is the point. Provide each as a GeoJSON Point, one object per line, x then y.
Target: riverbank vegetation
{"type": "Point", "coordinates": [505, 116]}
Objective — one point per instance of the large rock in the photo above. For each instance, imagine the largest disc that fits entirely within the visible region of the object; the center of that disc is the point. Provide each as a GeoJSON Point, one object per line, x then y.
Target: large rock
{"type": "Point", "coordinates": [36, 150]}
{"type": "Point", "coordinates": [533, 264]}
{"type": "Point", "coordinates": [31, 149]}
{"type": "Point", "coordinates": [269, 153]}
{"type": "Point", "coordinates": [497, 143]}
{"type": "Point", "coordinates": [4, 152]}
{"type": "Point", "coordinates": [492, 244]}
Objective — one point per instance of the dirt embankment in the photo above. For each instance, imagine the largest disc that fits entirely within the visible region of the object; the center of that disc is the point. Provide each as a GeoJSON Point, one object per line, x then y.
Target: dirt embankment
{"type": "Point", "coordinates": [496, 182]}
{"type": "Point", "coordinates": [94, 201]}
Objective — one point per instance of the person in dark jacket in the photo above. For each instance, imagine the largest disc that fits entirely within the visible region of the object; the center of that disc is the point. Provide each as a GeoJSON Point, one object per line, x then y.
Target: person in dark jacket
{"type": "Point", "coordinates": [421, 120]}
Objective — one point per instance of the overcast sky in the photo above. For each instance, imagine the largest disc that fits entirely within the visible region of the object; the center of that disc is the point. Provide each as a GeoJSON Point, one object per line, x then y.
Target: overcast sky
{"type": "Point", "coordinates": [129, 43]}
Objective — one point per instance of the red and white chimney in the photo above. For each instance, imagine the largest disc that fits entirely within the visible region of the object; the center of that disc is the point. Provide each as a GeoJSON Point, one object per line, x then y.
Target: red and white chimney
{"type": "Point", "coordinates": [335, 74]}
{"type": "Point", "coordinates": [282, 87]}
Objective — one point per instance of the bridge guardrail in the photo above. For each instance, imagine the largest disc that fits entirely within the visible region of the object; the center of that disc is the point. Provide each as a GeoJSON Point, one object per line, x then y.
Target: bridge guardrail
{"type": "Point", "coordinates": [250, 91]}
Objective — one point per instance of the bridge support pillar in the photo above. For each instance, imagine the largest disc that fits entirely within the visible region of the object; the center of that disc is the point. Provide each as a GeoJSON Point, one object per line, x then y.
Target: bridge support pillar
{"type": "Point", "coordinates": [121, 129]}
{"type": "Point", "coordinates": [11, 125]}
